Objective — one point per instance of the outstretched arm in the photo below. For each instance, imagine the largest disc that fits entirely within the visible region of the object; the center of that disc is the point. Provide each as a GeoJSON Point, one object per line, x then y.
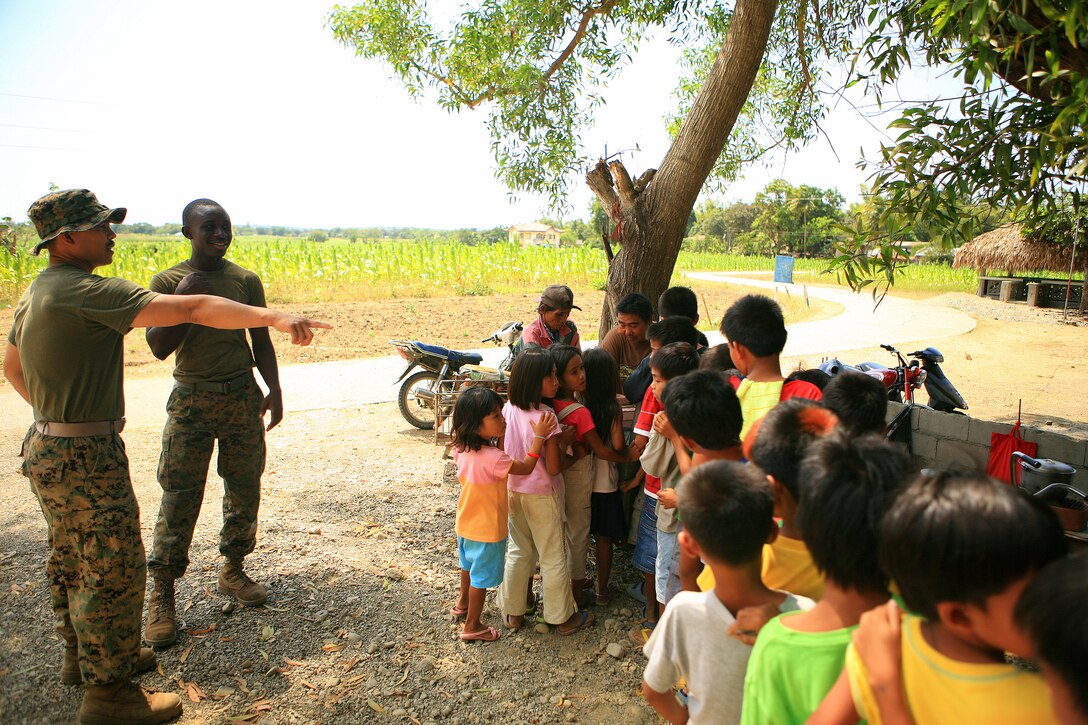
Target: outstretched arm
{"type": "Point", "coordinates": [210, 311]}
{"type": "Point", "coordinates": [163, 341]}
{"type": "Point", "coordinates": [264, 354]}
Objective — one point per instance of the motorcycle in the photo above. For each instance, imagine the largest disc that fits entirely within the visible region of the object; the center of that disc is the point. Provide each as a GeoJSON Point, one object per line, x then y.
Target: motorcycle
{"type": "Point", "coordinates": [444, 371]}
{"type": "Point", "coordinates": [901, 381]}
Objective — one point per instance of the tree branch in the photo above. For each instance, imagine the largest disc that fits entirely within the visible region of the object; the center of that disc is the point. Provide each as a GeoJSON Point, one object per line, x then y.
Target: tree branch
{"type": "Point", "coordinates": [600, 183]}
{"type": "Point", "coordinates": [624, 185]}
{"type": "Point", "coordinates": [587, 16]}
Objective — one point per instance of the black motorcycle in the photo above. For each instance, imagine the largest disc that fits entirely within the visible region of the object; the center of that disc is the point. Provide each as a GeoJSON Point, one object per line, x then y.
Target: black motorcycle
{"type": "Point", "coordinates": [443, 371]}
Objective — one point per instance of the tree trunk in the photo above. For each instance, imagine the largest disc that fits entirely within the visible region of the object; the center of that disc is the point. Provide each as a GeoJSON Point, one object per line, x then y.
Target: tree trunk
{"type": "Point", "coordinates": [651, 213]}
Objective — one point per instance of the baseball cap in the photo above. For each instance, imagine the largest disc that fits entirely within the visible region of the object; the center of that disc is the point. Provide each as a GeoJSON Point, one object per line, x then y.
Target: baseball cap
{"type": "Point", "coordinates": [559, 297]}
{"type": "Point", "coordinates": [71, 210]}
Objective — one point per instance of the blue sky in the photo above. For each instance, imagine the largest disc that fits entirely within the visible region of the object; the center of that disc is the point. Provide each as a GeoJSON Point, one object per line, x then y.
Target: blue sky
{"type": "Point", "coordinates": [152, 104]}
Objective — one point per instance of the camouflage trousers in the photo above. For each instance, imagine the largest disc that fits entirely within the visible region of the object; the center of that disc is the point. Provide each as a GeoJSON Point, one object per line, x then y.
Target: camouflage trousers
{"type": "Point", "coordinates": [196, 420]}
{"type": "Point", "coordinates": [96, 561]}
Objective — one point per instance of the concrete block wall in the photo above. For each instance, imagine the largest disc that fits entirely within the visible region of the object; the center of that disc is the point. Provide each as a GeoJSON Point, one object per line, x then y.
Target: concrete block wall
{"type": "Point", "coordinates": [947, 440]}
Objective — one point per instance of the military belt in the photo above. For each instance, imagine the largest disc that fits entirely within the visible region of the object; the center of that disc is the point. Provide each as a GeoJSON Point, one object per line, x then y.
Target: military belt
{"type": "Point", "coordinates": [80, 430]}
{"type": "Point", "coordinates": [226, 387]}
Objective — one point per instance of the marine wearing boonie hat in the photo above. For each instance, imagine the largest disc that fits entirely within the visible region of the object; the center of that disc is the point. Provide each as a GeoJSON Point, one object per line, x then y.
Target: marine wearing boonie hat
{"type": "Point", "coordinates": [71, 210]}
{"type": "Point", "coordinates": [558, 297]}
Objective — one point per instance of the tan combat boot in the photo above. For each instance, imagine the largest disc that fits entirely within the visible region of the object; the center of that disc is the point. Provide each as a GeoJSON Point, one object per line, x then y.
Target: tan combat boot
{"type": "Point", "coordinates": [234, 581]}
{"type": "Point", "coordinates": [125, 703]}
{"type": "Point", "coordinates": [162, 625]}
{"type": "Point", "coordinates": [69, 667]}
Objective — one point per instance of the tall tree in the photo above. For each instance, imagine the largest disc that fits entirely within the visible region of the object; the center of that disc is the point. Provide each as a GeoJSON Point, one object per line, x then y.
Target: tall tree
{"type": "Point", "coordinates": [539, 67]}
{"type": "Point", "coordinates": [1016, 139]}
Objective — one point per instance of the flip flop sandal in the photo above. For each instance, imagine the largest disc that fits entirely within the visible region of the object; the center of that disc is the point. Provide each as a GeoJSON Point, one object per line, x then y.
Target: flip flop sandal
{"type": "Point", "coordinates": [512, 627]}
{"type": "Point", "coordinates": [586, 620]}
{"type": "Point", "coordinates": [603, 600]}
{"type": "Point", "coordinates": [640, 635]}
{"type": "Point", "coordinates": [457, 612]}
{"type": "Point", "coordinates": [488, 634]}
{"type": "Point", "coordinates": [635, 592]}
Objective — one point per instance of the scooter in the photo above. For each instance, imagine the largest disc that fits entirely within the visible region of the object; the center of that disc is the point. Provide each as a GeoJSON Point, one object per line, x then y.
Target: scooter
{"type": "Point", "coordinates": [901, 381]}
{"type": "Point", "coordinates": [419, 393]}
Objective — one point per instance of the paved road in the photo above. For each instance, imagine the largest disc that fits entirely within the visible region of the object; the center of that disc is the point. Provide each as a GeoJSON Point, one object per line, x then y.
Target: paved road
{"type": "Point", "coordinates": [349, 383]}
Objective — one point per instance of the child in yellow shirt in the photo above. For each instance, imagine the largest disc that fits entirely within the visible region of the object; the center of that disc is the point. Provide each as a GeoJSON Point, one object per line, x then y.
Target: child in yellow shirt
{"type": "Point", "coordinates": [961, 548]}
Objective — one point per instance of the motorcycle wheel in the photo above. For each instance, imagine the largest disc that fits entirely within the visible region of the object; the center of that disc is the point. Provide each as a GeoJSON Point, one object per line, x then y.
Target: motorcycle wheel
{"type": "Point", "coordinates": [419, 413]}
{"type": "Point", "coordinates": [895, 395]}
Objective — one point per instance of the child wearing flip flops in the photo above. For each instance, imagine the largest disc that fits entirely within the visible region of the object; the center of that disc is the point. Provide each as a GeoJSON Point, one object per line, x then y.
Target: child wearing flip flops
{"type": "Point", "coordinates": [482, 469]}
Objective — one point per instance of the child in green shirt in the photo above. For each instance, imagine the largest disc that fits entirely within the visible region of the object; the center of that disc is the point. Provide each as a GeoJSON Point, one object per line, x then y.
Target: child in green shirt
{"type": "Point", "coordinates": [849, 482]}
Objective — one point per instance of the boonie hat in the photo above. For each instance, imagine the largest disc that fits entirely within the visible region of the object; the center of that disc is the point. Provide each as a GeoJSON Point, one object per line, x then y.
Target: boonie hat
{"type": "Point", "coordinates": [559, 297]}
{"type": "Point", "coordinates": [71, 210]}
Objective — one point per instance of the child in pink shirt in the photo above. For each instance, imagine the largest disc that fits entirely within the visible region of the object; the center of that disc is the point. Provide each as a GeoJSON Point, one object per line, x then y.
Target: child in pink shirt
{"type": "Point", "coordinates": [535, 501]}
{"type": "Point", "coordinates": [482, 469]}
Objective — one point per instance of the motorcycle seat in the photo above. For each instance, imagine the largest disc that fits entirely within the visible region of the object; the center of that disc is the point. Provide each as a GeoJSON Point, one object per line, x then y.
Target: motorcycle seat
{"type": "Point", "coordinates": [456, 357]}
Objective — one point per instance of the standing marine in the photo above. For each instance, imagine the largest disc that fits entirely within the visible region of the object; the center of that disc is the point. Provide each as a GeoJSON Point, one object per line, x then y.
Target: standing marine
{"type": "Point", "coordinates": [215, 398]}
{"type": "Point", "coordinates": [65, 358]}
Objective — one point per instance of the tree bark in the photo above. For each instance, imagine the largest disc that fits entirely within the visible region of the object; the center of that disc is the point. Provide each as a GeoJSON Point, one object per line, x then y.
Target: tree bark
{"type": "Point", "coordinates": [652, 212]}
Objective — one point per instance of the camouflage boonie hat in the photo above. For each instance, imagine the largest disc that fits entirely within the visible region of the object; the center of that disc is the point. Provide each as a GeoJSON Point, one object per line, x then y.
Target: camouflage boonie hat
{"type": "Point", "coordinates": [71, 210]}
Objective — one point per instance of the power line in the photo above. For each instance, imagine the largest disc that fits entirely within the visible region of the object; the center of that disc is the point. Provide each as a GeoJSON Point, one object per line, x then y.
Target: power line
{"type": "Point", "coordinates": [43, 128]}
{"type": "Point", "coordinates": [43, 148]}
{"type": "Point", "coordinates": [57, 100]}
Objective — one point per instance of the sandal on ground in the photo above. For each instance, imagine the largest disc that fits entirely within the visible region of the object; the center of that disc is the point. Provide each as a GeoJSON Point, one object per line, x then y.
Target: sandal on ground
{"type": "Point", "coordinates": [635, 592]}
{"type": "Point", "coordinates": [586, 620]}
{"type": "Point", "coordinates": [507, 623]}
{"type": "Point", "coordinates": [487, 634]}
{"type": "Point", "coordinates": [641, 634]}
{"type": "Point", "coordinates": [457, 611]}
{"type": "Point", "coordinates": [603, 599]}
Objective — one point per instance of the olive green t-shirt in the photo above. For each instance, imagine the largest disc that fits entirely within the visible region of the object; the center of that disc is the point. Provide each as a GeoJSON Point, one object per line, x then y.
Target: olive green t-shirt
{"type": "Point", "coordinates": [69, 328]}
{"type": "Point", "coordinates": [208, 355]}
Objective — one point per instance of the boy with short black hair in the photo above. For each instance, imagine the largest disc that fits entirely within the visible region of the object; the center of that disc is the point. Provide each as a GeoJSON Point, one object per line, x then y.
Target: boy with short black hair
{"type": "Point", "coordinates": [859, 401]}
{"type": "Point", "coordinates": [961, 548]}
{"type": "Point", "coordinates": [681, 302]}
{"type": "Point", "coordinates": [657, 522]}
{"type": "Point", "coordinates": [717, 359]}
{"type": "Point", "coordinates": [702, 415]}
{"type": "Point", "coordinates": [663, 332]}
{"type": "Point", "coordinates": [848, 484]}
{"type": "Point", "coordinates": [778, 444]}
{"type": "Point", "coordinates": [756, 334]}
{"type": "Point", "coordinates": [726, 508]}
{"type": "Point", "coordinates": [1051, 613]}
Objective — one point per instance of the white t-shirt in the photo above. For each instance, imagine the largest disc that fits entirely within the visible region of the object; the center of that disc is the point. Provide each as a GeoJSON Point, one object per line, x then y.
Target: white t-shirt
{"type": "Point", "coordinates": [692, 641]}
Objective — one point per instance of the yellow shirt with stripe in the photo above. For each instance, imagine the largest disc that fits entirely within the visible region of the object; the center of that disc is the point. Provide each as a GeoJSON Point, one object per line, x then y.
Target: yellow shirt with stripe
{"type": "Point", "coordinates": [943, 690]}
{"type": "Point", "coordinates": [756, 400]}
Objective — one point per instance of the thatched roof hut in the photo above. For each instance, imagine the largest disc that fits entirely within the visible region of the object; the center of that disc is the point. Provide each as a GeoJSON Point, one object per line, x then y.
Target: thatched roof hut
{"type": "Point", "coordinates": [1007, 249]}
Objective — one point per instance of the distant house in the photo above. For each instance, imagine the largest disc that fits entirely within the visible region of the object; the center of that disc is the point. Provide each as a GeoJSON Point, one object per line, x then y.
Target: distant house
{"type": "Point", "coordinates": [539, 235]}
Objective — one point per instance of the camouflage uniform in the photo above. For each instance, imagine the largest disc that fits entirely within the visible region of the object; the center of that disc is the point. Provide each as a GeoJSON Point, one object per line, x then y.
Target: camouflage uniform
{"type": "Point", "coordinates": [197, 416]}
{"type": "Point", "coordinates": [96, 563]}
{"type": "Point", "coordinates": [68, 329]}
{"type": "Point", "coordinates": [196, 419]}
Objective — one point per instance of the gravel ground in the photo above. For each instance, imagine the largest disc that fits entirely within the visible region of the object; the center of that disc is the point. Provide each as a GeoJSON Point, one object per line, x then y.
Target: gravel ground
{"type": "Point", "coordinates": [357, 547]}
{"type": "Point", "coordinates": [992, 309]}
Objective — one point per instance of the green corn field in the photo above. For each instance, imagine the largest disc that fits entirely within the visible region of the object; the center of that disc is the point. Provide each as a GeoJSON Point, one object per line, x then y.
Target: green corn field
{"type": "Point", "coordinates": [298, 270]}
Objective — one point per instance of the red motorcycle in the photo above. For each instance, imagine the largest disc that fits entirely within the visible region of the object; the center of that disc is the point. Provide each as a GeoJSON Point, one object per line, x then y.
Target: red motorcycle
{"type": "Point", "coordinates": [923, 369]}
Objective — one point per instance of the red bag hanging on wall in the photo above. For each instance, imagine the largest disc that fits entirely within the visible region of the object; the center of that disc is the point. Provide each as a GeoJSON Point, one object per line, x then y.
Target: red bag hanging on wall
{"type": "Point", "coordinates": [1002, 446]}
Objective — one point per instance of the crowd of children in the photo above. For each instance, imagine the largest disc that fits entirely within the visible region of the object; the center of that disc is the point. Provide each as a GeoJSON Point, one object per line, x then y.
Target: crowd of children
{"type": "Point", "coordinates": [795, 565]}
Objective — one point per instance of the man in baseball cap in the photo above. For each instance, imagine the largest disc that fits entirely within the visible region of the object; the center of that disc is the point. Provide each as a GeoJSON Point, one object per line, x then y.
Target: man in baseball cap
{"type": "Point", "coordinates": [71, 210]}
{"type": "Point", "coordinates": [552, 325]}
{"type": "Point", "coordinates": [65, 358]}
{"type": "Point", "coordinates": [559, 297]}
